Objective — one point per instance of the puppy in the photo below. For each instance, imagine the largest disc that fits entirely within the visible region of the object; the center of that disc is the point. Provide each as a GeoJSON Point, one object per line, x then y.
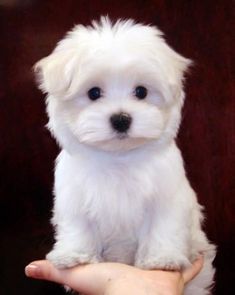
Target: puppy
{"type": "Point", "coordinates": [114, 99]}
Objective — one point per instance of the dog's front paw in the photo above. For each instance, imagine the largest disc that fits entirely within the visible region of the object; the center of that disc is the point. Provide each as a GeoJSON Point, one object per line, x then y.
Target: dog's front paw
{"type": "Point", "coordinates": [66, 259]}
{"type": "Point", "coordinates": [166, 261]}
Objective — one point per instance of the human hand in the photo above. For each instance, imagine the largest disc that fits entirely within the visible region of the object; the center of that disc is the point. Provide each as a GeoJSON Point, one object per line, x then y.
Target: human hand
{"type": "Point", "coordinates": [115, 278]}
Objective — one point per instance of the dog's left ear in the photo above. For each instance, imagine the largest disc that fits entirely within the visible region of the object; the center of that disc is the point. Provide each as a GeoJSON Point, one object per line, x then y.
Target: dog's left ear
{"type": "Point", "coordinates": [173, 66]}
{"type": "Point", "coordinates": [54, 73]}
{"type": "Point", "coordinates": [179, 68]}
{"type": "Point", "coordinates": [176, 66]}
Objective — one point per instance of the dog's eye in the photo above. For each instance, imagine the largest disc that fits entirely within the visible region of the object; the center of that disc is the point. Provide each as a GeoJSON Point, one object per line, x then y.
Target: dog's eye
{"type": "Point", "coordinates": [94, 93]}
{"type": "Point", "coordinates": [141, 92]}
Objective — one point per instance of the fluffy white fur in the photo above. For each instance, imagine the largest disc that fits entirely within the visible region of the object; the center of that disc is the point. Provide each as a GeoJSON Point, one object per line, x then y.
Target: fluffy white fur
{"type": "Point", "coordinates": [126, 198]}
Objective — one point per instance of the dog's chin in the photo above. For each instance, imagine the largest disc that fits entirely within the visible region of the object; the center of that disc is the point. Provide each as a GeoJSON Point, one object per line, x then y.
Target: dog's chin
{"type": "Point", "coordinates": [121, 143]}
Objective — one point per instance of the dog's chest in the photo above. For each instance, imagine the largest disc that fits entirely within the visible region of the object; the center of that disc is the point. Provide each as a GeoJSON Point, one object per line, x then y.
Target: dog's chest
{"type": "Point", "coordinates": [116, 196]}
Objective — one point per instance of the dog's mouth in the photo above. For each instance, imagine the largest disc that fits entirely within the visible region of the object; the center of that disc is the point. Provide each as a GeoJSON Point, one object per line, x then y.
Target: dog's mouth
{"type": "Point", "coordinates": [119, 143]}
{"type": "Point", "coordinates": [116, 141]}
{"type": "Point", "coordinates": [122, 136]}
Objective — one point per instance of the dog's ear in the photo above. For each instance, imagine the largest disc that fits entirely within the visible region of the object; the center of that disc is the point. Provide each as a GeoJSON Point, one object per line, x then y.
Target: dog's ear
{"type": "Point", "coordinates": [173, 65]}
{"type": "Point", "coordinates": [179, 67]}
{"type": "Point", "coordinates": [54, 73]}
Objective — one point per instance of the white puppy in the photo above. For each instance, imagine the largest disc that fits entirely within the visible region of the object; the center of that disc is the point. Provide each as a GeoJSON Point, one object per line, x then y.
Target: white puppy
{"type": "Point", "coordinates": [114, 99]}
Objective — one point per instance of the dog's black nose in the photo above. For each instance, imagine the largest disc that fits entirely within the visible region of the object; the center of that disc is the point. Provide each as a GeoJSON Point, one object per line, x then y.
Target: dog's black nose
{"type": "Point", "coordinates": [121, 122]}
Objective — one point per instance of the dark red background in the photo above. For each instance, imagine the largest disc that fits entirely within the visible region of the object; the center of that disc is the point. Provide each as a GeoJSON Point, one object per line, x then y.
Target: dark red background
{"type": "Point", "coordinates": [201, 30]}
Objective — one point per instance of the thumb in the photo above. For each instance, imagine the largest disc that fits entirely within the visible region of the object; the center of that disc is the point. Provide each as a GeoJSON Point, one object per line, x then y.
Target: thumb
{"type": "Point", "coordinates": [191, 272]}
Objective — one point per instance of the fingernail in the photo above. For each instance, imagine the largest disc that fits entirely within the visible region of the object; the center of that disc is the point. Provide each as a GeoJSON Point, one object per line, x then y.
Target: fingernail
{"type": "Point", "coordinates": [32, 270]}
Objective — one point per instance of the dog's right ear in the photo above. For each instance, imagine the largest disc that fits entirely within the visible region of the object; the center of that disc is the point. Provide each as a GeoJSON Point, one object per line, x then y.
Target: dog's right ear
{"type": "Point", "coordinates": [54, 73]}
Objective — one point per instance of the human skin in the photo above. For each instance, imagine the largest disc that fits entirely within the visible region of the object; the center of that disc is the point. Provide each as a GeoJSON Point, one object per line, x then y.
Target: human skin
{"type": "Point", "coordinates": [115, 278]}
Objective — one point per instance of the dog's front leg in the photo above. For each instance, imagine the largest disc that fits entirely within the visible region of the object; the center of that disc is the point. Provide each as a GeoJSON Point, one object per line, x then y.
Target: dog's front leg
{"type": "Point", "coordinates": [166, 240]}
{"type": "Point", "coordinates": [163, 248]}
{"type": "Point", "coordinates": [75, 244]}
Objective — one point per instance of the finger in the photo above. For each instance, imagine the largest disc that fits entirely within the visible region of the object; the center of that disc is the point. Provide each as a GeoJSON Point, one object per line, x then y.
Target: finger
{"type": "Point", "coordinates": [43, 269]}
{"type": "Point", "coordinates": [189, 273]}
{"type": "Point", "coordinates": [87, 279]}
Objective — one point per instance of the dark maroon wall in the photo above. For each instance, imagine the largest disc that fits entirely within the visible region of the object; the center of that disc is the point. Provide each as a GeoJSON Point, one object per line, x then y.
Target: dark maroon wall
{"type": "Point", "coordinates": [201, 30]}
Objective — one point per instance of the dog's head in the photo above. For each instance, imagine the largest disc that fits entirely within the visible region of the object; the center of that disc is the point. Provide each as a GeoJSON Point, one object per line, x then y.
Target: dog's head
{"type": "Point", "coordinates": [114, 87]}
